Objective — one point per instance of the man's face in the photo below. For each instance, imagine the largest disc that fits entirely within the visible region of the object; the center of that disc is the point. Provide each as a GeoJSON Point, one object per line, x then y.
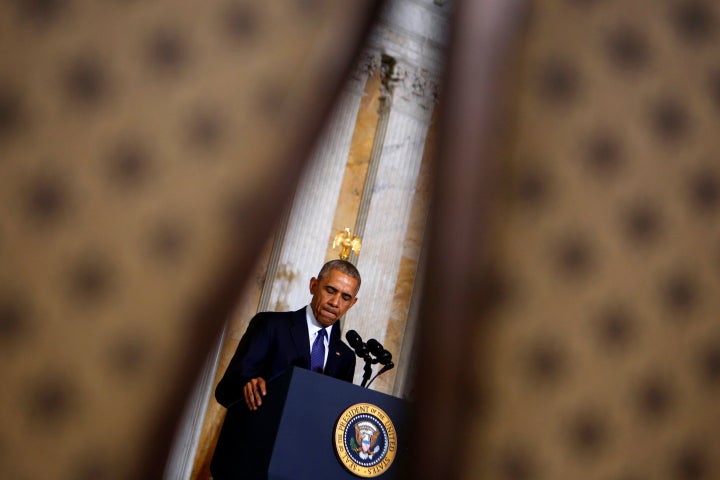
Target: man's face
{"type": "Point", "coordinates": [332, 296]}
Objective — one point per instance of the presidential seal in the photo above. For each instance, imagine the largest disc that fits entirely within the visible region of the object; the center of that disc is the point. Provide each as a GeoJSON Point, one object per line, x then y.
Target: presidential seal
{"type": "Point", "coordinates": [365, 440]}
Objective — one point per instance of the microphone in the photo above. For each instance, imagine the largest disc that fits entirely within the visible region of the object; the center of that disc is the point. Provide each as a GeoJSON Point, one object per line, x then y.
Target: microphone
{"type": "Point", "coordinates": [375, 347]}
{"type": "Point", "coordinates": [382, 356]}
{"type": "Point", "coordinates": [362, 351]}
{"type": "Point", "coordinates": [355, 341]}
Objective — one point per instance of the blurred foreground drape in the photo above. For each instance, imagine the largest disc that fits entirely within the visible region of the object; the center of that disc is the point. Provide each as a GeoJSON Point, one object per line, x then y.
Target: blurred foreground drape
{"type": "Point", "coordinates": [571, 327]}
{"type": "Point", "coordinates": [146, 150]}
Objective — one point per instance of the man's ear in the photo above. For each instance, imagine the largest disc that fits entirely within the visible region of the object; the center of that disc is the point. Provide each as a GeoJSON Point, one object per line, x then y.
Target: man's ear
{"type": "Point", "coordinates": [313, 285]}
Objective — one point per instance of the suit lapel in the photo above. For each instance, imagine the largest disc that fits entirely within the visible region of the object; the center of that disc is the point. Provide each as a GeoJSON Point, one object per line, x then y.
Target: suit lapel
{"type": "Point", "coordinates": [300, 335]}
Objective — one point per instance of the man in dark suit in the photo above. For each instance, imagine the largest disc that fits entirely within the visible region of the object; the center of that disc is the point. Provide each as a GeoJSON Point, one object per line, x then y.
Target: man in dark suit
{"type": "Point", "coordinates": [275, 341]}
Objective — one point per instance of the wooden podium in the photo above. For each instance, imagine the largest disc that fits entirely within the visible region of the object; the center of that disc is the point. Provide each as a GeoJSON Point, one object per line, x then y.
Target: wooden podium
{"type": "Point", "coordinates": [311, 426]}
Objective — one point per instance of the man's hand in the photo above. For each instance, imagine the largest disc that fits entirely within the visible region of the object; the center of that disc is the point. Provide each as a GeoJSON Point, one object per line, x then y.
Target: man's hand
{"type": "Point", "coordinates": [254, 390]}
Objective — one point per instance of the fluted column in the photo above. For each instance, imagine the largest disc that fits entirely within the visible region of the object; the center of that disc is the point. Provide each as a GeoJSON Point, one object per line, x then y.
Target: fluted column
{"type": "Point", "coordinates": [301, 246]}
{"type": "Point", "coordinates": [383, 221]}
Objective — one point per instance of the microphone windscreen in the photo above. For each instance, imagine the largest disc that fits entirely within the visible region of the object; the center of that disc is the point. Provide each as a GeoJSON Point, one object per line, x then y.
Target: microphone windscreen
{"type": "Point", "coordinates": [353, 339]}
{"type": "Point", "coordinates": [375, 347]}
{"type": "Point", "coordinates": [385, 357]}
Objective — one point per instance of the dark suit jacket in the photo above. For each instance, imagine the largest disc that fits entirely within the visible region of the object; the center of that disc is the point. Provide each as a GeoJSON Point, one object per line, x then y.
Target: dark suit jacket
{"type": "Point", "coordinates": [274, 342]}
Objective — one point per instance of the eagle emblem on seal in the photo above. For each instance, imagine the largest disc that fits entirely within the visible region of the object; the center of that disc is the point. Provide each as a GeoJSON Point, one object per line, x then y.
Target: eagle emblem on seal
{"type": "Point", "coordinates": [366, 435]}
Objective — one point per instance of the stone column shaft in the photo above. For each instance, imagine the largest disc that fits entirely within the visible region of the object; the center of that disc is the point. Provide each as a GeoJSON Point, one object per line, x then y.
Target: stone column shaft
{"type": "Point", "coordinates": [304, 242]}
{"type": "Point", "coordinates": [388, 212]}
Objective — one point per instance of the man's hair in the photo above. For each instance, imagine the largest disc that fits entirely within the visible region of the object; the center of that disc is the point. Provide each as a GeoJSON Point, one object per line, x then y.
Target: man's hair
{"type": "Point", "coordinates": [342, 266]}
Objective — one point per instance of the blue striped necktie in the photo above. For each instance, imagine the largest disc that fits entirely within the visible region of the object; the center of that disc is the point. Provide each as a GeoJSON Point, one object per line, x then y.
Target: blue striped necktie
{"type": "Point", "coordinates": [317, 354]}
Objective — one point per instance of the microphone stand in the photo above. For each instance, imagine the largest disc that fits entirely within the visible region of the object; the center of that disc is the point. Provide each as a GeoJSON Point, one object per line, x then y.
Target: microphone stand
{"type": "Point", "coordinates": [367, 370]}
{"type": "Point", "coordinates": [369, 361]}
{"type": "Point", "coordinates": [382, 370]}
{"type": "Point", "coordinates": [381, 355]}
{"type": "Point", "coordinates": [372, 353]}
